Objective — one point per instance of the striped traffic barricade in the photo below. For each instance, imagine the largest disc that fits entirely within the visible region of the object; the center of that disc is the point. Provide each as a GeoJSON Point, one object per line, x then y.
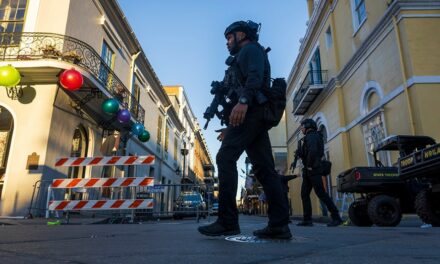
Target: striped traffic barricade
{"type": "Point", "coordinates": [104, 161]}
{"type": "Point", "coordinates": [125, 182]}
{"type": "Point", "coordinates": [101, 205]}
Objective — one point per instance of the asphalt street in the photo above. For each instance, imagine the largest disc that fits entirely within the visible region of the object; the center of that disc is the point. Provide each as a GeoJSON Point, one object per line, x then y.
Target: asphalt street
{"type": "Point", "coordinates": [169, 241]}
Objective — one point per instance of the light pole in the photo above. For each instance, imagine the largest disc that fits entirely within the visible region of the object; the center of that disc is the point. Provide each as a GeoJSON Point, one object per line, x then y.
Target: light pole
{"type": "Point", "coordinates": [184, 152]}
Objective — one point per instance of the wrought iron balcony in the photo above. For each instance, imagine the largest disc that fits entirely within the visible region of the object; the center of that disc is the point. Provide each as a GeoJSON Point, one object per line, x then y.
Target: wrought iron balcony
{"type": "Point", "coordinates": [37, 46]}
{"type": "Point", "coordinates": [311, 87]}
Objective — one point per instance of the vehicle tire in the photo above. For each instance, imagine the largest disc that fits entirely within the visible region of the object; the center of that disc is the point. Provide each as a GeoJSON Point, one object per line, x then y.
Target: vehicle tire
{"type": "Point", "coordinates": [358, 213]}
{"type": "Point", "coordinates": [384, 210]}
{"type": "Point", "coordinates": [428, 207]}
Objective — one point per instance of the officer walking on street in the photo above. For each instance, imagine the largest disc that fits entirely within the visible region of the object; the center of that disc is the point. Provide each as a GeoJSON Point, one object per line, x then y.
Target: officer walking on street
{"type": "Point", "coordinates": [246, 131]}
{"type": "Point", "coordinates": [311, 155]}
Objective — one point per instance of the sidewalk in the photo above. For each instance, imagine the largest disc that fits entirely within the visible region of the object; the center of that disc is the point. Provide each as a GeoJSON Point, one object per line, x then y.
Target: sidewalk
{"type": "Point", "coordinates": [73, 220]}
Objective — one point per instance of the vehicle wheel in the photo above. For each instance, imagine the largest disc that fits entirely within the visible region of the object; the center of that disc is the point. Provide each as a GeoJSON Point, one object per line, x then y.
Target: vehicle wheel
{"type": "Point", "coordinates": [428, 207]}
{"type": "Point", "coordinates": [358, 213]}
{"type": "Point", "coordinates": [384, 210]}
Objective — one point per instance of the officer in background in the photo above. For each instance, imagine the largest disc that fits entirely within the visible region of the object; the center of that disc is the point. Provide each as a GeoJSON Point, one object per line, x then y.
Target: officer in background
{"type": "Point", "coordinates": [311, 155]}
{"type": "Point", "coordinates": [246, 131]}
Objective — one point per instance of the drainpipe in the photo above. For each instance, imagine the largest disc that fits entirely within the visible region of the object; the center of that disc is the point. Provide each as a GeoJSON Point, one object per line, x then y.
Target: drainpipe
{"type": "Point", "coordinates": [126, 136]}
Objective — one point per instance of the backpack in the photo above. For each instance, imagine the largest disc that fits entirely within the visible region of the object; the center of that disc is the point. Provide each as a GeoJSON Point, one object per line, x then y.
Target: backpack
{"type": "Point", "coordinates": [274, 107]}
{"type": "Point", "coordinates": [276, 95]}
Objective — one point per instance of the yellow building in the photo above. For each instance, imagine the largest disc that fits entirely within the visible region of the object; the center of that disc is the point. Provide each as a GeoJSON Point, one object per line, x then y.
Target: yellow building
{"type": "Point", "coordinates": [203, 165]}
{"type": "Point", "coordinates": [366, 70]}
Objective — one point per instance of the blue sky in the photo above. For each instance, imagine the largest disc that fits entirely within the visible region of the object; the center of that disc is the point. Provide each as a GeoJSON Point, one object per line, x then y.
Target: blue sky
{"type": "Point", "coordinates": [184, 42]}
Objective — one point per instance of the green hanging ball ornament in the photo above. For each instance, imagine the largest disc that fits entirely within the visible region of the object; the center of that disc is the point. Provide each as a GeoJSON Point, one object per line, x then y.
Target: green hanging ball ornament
{"type": "Point", "coordinates": [110, 106]}
{"type": "Point", "coordinates": [144, 136]}
{"type": "Point", "coordinates": [9, 76]}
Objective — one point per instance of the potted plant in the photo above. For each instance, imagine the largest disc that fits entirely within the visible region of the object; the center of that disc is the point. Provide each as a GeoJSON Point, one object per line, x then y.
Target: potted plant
{"type": "Point", "coordinates": [50, 51]}
{"type": "Point", "coordinates": [72, 56]}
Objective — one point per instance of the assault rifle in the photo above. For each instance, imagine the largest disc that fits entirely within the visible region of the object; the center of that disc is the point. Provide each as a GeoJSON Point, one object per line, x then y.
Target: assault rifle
{"type": "Point", "coordinates": [223, 92]}
{"type": "Point", "coordinates": [219, 91]}
{"type": "Point", "coordinates": [298, 154]}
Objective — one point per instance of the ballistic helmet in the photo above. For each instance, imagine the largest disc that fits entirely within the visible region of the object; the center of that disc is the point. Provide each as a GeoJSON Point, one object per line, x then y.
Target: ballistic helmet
{"type": "Point", "coordinates": [309, 123]}
{"type": "Point", "coordinates": [250, 28]}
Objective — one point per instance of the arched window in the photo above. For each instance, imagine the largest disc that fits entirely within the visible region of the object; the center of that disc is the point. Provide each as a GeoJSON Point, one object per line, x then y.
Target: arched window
{"type": "Point", "coordinates": [373, 128]}
{"type": "Point", "coordinates": [6, 129]}
{"type": "Point", "coordinates": [370, 98]}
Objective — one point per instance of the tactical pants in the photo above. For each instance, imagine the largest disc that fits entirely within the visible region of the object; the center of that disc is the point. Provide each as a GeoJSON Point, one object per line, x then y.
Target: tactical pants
{"type": "Point", "coordinates": [315, 182]}
{"type": "Point", "coordinates": [252, 137]}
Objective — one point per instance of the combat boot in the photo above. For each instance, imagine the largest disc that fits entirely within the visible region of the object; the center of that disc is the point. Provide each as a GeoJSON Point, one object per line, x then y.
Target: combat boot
{"type": "Point", "coordinates": [336, 221]}
{"type": "Point", "coordinates": [274, 232]}
{"type": "Point", "coordinates": [217, 229]}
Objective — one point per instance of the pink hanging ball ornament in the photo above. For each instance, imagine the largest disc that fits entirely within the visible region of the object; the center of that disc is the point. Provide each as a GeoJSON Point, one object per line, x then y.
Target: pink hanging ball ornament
{"type": "Point", "coordinates": [71, 79]}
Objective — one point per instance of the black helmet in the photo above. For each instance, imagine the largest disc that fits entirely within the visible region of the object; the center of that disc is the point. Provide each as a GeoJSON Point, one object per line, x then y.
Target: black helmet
{"type": "Point", "coordinates": [309, 123]}
{"type": "Point", "coordinates": [250, 28]}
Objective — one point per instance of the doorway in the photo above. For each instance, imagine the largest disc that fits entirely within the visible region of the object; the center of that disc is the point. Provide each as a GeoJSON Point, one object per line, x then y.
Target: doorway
{"type": "Point", "coordinates": [6, 130]}
{"type": "Point", "coordinates": [78, 149]}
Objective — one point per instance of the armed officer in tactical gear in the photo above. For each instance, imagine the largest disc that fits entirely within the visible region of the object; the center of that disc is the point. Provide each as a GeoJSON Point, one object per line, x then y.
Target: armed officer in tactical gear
{"type": "Point", "coordinates": [311, 154]}
{"type": "Point", "coordinates": [246, 132]}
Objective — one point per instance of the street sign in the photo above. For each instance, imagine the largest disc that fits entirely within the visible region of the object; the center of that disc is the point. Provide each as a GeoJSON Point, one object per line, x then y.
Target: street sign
{"type": "Point", "coordinates": [156, 189]}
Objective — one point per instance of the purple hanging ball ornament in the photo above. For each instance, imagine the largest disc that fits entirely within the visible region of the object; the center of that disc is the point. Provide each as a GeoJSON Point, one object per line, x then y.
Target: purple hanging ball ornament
{"type": "Point", "coordinates": [124, 116]}
{"type": "Point", "coordinates": [137, 129]}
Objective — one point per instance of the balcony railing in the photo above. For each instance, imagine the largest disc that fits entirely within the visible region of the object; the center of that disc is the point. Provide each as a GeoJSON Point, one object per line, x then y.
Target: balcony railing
{"type": "Point", "coordinates": [310, 88]}
{"type": "Point", "coordinates": [35, 46]}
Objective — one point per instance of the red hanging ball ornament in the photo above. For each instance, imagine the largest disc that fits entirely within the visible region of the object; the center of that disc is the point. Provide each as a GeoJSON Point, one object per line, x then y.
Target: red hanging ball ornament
{"type": "Point", "coordinates": [71, 79]}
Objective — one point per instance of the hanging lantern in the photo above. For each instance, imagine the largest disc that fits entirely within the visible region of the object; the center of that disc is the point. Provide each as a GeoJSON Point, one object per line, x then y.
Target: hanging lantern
{"type": "Point", "coordinates": [71, 79]}
{"type": "Point", "coordinates": [110, 106]}
{"type": "Point", "coordinates": [124, 116]}
{"type": "Point", "coordinates": [144, 136]}
{"type": "Point", "coordinates": [137, 129]}
{"type": "Point", "coordinates": [9, 76]}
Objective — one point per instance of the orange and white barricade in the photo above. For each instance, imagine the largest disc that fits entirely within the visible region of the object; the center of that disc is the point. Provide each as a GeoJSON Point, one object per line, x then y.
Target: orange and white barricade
{"type": "Point", "coordinates": [105, 161]}
{"type": "Point", "coordinates": [119, 204]}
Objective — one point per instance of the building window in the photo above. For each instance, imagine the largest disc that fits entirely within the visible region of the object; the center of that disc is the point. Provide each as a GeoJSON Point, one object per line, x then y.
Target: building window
{"type": "Point", "coordinates": [315, 68]}
{"type": "Point", "coordinates": [108, 56]}
{"type": "Point", "coordinates": [6, 129]}
{"type": "Point", "coordinates": [12, 14]}
{"type": "Point", "coordinates": [359, 13]}
{"type": "Point", "coordinates": [167, 136]}
{"type": "Point", "coordinates": [328, 38]}
{"type": "Point", "coordinates": [159, 130]}
{"type": "Point", "coordinates": [175, 148]}
{"type": "Point", "coordinates": [374, 132]}
{"type": "Point", "coordinates": [136, 94]}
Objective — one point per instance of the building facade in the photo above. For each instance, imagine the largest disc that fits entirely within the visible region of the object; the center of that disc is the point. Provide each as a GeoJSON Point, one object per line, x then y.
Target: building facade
{"type": "Point", "coordinates": [41, 121]}
{"type": "Point", "coordinates": [197, 162]}
{"type": "Point", "coordinates": [366, 70]}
